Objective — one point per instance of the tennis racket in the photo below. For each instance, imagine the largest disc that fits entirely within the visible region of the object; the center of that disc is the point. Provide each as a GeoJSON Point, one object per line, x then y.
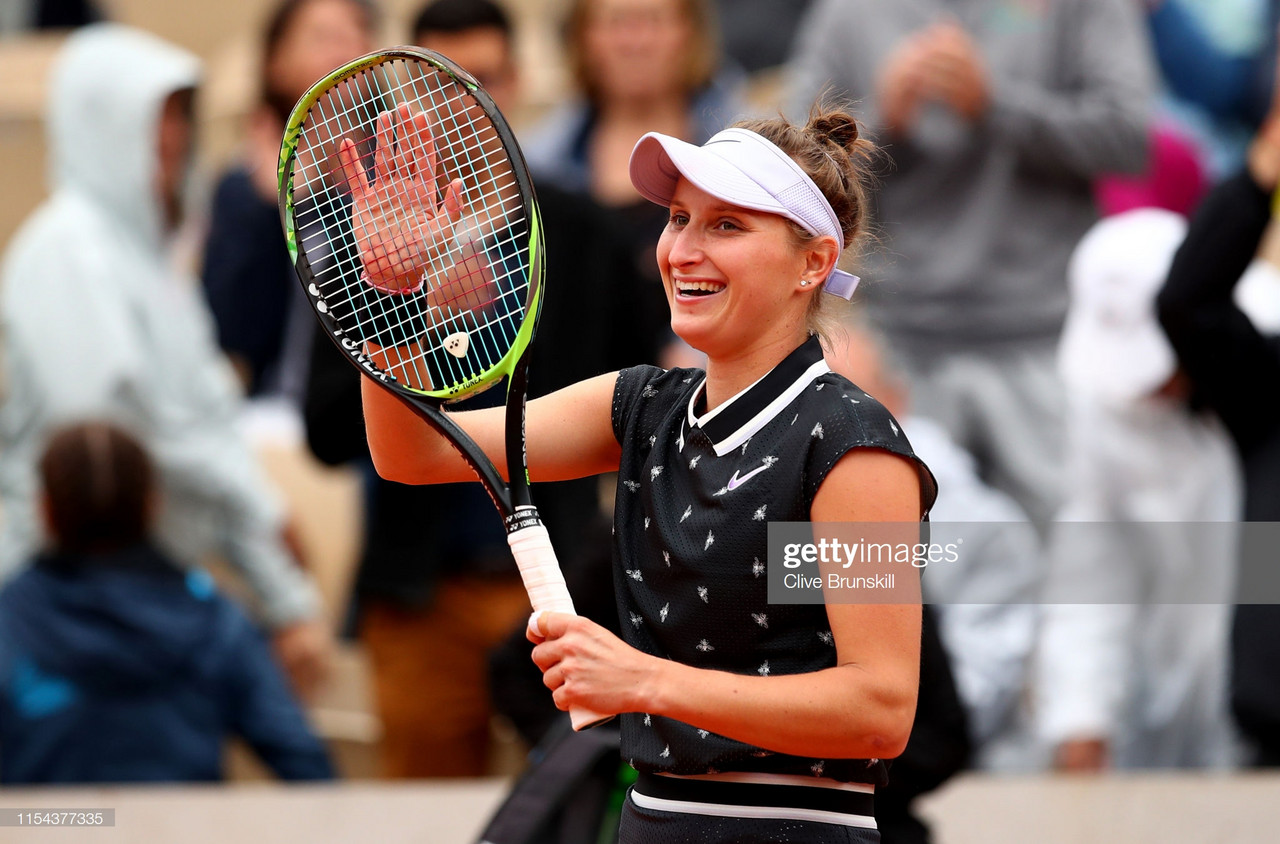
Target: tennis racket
{"type": "Point", "coordinates": [412, 223]}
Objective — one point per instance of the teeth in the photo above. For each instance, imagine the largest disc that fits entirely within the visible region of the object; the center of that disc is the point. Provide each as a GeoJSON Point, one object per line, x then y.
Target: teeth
{"type": "Point", "coordinates": [700, 287]}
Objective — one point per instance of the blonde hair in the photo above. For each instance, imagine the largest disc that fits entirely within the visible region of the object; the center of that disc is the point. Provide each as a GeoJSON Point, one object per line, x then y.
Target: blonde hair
{"type": "Point", "coordinates": [829, 149]}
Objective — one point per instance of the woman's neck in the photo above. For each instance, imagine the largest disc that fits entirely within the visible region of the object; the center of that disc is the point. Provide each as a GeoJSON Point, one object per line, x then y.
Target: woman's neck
{"type": "Point", "coordinates": [666, 114]}
{"type": "Point", "coordinates": [617, 129]}
{"type": "Point", "coordinates": [730, 374]}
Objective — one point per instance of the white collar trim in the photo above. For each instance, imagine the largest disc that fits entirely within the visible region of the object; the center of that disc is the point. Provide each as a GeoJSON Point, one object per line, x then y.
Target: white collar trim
{"type": "Point", "coordinates": [753, 425]}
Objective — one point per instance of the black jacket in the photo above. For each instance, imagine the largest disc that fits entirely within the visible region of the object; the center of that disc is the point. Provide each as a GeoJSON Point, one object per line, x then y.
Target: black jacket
{"type": "Point", "coordinates": [1235, 370]}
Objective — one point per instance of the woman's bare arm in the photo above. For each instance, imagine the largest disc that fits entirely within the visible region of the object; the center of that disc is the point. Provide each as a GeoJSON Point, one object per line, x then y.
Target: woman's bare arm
{"type": "Point", "coordinates": [863, 707]}
{"type": "Point", "coordinates": [569, 434]}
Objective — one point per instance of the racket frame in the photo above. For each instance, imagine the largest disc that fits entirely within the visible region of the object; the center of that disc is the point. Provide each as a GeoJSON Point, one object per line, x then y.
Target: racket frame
{"type": "Point", "coordinates": [511, 497]}
{"type": "Point", "coordinates": [527, 536]}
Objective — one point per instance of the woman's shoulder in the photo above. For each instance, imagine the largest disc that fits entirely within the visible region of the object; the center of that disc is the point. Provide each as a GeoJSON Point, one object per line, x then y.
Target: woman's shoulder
{"type": "Point", "coordinates": [848, 418]}
{"type": "Point", "coordinates": [853, 413]}
{"type": "Point", "coordinates": [648, 393]}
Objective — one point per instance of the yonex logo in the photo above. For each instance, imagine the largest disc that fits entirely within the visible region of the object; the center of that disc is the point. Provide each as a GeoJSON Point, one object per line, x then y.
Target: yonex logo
{"type": "Point", "coordinates": [457, 344]}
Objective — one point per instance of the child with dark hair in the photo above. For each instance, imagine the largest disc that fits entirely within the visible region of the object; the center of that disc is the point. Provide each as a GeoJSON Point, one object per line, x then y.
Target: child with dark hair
{"type": "Point", "coordinates": [116, 665]}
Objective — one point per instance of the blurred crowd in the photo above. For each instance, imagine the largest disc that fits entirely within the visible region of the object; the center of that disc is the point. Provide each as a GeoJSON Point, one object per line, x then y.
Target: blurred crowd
{"type": "Point", "coordinates": [1067, 305]}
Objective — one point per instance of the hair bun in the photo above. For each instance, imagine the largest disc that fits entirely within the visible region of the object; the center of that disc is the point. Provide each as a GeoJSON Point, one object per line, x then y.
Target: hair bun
{"type": "Point", "coordinates": [836, 126]}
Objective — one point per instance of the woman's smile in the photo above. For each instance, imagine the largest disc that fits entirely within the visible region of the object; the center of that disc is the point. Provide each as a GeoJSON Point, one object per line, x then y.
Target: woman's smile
{"type": "Point", "coordinates": [732, 274]}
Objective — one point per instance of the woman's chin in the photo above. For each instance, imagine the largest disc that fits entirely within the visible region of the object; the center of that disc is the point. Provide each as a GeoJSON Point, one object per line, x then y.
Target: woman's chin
{"type": "Point", "coordinates": [705, 336]}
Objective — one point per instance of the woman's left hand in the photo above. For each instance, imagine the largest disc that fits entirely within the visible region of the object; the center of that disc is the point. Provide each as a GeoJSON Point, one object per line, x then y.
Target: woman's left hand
{"type": "Point", "coordinates": [586, 666]}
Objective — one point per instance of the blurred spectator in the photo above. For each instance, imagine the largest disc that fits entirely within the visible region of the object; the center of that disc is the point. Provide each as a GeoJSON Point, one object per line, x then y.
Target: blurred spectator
{"type": "Point", "coordinates": [1234, 369]}
{"type": "Point", "coordinates": [998, 117]}
{"type": "Point", "coordinates": [980, 615]}
{"type": "Point", "coordinates": [430, 612]}
{"type": "Point", "coordinates": [25, 15]}
{"type": "Point", "coordinates": [641, 66]}
{"type": "Point", "coordinates": [96, 322]}
{"type": "Point", "coordinates": [263, 319]}
{"type": "Point", "coordinates": [115, 666]}
{"type": "Point", "coordinates": [757, 34]}
{"type": "Point", "coordinates": [984, 601]}
{"type": "Point", "coordinates": [1133, 670]}
{"type": "Point", "coordinates": [1175, 178]}
{"type": "Point", "coordinates": [476, 35]}
{"type": "Point", "coordinates": [1217, 60]}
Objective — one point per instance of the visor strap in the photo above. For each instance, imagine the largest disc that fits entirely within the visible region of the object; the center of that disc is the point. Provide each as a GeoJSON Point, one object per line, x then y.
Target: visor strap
{"type": "Point", "coordinates": [842, 284]}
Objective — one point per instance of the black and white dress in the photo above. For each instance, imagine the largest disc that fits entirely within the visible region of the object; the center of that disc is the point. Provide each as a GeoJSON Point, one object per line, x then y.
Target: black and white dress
{"type": "Point", "coordinates": [696, 492]}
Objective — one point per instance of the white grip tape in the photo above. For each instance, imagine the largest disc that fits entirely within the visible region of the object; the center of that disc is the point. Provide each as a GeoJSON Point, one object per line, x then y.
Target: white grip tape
{"type": "Point", "coordinates": [543, 580]}
{"type": "Point", "coordinates": [540, 570]}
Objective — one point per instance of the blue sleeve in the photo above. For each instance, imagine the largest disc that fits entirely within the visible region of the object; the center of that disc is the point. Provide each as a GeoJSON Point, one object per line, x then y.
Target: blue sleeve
{"type": "Point", "coordinates": [1264, 70]}
{"type": "Point", "coordinates": [1195, 68]}
{"type": "Point", "coordinates": [247, 277]}
{"type": "Point", "coordinates": [264, 711]}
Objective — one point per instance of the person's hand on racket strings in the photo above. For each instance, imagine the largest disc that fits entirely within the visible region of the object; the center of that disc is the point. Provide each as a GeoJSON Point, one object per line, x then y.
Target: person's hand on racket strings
{"type": "Point", "coordinates": [402, 229]}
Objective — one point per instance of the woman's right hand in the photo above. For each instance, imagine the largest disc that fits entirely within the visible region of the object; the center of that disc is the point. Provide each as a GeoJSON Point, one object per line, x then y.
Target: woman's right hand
{"type": "Point", "coordinates": [585, 666]}
{"type": "Point", "coordinates": [399, 227]}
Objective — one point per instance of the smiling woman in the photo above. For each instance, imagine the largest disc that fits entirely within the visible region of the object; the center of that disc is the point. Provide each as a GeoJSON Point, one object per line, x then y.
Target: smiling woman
{"type": "Point", "coordinates": [727, 703]}
{"type": "Point", "coordinates": [743, 207]}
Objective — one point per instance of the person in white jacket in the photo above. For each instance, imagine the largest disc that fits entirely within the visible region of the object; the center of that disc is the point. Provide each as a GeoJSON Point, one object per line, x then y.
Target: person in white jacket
{"type": "Point", "coordinates": [986, 601]}
{"type": "Point", "coordinates": [1133, 656]}
{"type": "Point", "coordinates": [96, 322]}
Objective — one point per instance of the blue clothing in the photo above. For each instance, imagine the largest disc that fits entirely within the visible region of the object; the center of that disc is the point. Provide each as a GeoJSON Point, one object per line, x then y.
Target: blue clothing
{"type": "Point", "coordinates": [1219, 92]}
{"type": "Point", "coordinates": [1194, 66]}
{"type": "Point", "coordinates": [248, 279]}
{"type": "Point", "coordinates": [1228, 85]}
{"type": "Point", "coordinates": [122, 668]}
{"type": "Point", "coordinates": [556, 149]}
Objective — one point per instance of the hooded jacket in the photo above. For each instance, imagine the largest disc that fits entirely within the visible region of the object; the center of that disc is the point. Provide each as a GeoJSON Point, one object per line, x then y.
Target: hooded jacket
{"type": "Point", "coordinates": [120, 668]}
{"type": "Point", "coordinates": [95, 322]}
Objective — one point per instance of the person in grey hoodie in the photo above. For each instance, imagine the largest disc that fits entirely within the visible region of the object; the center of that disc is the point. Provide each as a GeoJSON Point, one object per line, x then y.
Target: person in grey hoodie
{"type": "Point", "coordinates": [997, 115]}
{"type": "Point", "coordinates": [96, 322]}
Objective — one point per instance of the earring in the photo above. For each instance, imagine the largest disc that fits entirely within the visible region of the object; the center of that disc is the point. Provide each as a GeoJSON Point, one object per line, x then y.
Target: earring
{"type": "Point", "coordinates": [804, 284]}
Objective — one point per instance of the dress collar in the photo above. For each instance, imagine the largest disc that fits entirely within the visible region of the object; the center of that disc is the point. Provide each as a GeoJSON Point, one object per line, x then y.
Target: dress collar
{"type": "Point", "coordinates": [738, 419]}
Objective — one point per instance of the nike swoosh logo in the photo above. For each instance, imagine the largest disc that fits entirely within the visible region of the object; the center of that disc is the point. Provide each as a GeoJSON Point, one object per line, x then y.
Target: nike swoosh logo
{"type": "Point", "coordinates": [736, 481]}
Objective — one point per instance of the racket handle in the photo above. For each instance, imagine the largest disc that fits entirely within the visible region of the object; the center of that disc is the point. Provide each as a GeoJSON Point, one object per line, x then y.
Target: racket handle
{"type": "Point", "coordinates": [543, 580]}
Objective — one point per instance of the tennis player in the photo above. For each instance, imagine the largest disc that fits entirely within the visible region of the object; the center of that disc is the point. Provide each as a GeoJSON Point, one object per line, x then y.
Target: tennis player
{"type": "Point", "coordinates": [747, 721]}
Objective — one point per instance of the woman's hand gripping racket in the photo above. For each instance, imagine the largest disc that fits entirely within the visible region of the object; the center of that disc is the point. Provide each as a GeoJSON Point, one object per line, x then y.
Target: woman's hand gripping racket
{"type": "Point", "coordinates": [411, 221]}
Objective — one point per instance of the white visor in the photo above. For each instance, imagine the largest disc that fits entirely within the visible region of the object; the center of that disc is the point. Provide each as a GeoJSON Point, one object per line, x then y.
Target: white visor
{"type": "Point", "coordinates": [741, 168]}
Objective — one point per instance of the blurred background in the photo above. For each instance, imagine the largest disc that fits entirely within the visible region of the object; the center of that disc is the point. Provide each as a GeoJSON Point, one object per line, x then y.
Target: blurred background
{"type": "Point", "coordinates": [1042, 170]}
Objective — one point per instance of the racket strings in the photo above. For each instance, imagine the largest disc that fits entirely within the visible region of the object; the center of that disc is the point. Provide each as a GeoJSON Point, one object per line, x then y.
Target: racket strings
{"type": "Point", "coordinates": [486, 301]}
{"type": "Point", "coordinates": [449, 108]}
{"type": "Point", "coordinates": [500, 312]}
